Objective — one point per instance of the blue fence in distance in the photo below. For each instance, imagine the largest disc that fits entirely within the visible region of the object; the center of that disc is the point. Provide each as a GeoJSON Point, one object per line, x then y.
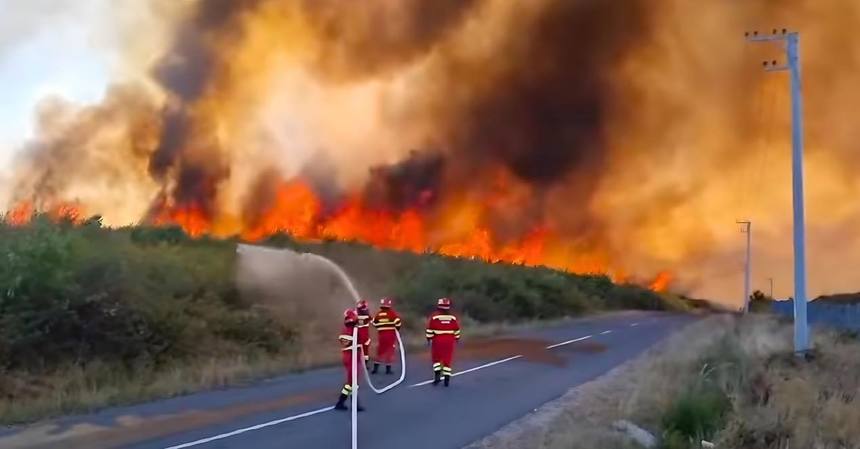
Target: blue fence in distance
{"type": "Point", "coordinates": [843, 316]}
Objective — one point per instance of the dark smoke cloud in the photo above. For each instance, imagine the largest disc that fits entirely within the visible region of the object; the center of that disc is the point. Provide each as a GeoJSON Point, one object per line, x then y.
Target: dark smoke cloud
{"type": "Point", "coordinates": [536, 105]}
{"type": "Point", "coordinates": [413, 182]}
{"type": "Point", "coordinates": [543, 114]}
{"type": "Point", "coordinates": [368, 38]}
{"type": "Point", "coordinates": [187, 72]}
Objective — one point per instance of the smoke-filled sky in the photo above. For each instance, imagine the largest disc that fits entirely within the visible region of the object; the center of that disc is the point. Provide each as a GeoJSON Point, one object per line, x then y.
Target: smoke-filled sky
{"type": "Point", "coordinates": [623, 136]}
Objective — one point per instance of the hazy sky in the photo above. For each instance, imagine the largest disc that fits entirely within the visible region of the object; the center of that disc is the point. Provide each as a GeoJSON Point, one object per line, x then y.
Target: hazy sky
{"type": "Point", "coordinates": [47, 47]}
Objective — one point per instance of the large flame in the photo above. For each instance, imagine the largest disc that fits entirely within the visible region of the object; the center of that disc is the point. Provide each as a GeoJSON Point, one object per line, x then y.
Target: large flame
{"type": "Point", "coordinates": [620, 137]}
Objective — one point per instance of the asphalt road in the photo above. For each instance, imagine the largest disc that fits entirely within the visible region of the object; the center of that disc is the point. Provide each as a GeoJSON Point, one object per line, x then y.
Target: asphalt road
{"type": "Point", "coordinates": [496, 381]}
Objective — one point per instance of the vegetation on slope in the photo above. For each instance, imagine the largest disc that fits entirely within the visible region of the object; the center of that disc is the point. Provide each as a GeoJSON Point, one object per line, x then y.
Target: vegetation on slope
{"type": "Point", "coordinates": [91, 316]}
{"type": "Point", "coordinates": [843, 298]}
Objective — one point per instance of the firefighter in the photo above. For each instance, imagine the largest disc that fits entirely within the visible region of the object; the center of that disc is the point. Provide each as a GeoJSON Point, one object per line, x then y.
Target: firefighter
{"type": "Point", "coordinates": [443, 331]}
{"type": "Point", "coordinates": [350, 320]}
{"type": "Point", "coordinates": [386, 322]}
{"type": "Point", "coordinates": [364, 319]}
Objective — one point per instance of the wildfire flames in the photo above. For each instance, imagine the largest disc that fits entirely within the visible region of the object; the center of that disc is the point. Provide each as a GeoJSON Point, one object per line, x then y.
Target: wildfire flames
{"type": "Point", "coordinates": [620, 137]}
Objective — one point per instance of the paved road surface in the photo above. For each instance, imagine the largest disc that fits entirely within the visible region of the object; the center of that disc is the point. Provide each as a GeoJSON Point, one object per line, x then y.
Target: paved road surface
{"type": "Point", "coordinates": [497, 381]}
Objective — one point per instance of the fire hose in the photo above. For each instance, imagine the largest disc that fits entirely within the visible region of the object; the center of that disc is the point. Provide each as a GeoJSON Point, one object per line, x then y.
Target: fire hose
{"type": "Point", "coordinates": [348, 283]}
{"type": "Point", "coordinates": [354, 349]}
{"type": "Point", "coordinates": [402, 369]}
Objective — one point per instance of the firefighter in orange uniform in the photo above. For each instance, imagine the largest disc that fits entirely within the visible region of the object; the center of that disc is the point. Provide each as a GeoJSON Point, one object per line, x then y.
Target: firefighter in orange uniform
{"type": "Point", "coordinates": [364, 319]}
{"type": "Point", "coordinates": [350, 320]}
{"type": "Point", "coordinates": [386, 322]}
{"type": "Point", "coordinates": [443, 332]}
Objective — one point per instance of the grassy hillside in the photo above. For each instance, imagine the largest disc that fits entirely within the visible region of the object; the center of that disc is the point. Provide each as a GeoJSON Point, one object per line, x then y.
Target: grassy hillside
{"type": "Point", "coordinates": [91, 316]}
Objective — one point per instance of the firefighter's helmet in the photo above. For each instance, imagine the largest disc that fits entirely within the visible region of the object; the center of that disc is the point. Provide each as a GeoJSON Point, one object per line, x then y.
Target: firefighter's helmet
{"type": "Point", "coordinates": [361, 305]}
{"type": "Point", "coordinates": [444, 303]}
{"type": "Point", "coordinates": [386, 302]}
{"type": "Point", "coordinates": [350, 317]}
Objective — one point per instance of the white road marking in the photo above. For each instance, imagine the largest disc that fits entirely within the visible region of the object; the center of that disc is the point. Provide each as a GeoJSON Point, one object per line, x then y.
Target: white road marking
{"type": "Point", "coordinates": [569, 342]}
{"type": "Point", "coordinates": [327, 409]}
{"type": "Point", "coordinates": [460, 373]}
{"type": "Point", "coordinates": [249, 429]}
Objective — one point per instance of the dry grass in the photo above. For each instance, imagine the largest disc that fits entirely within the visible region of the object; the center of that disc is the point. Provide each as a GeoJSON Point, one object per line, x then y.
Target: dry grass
{"type": "Point", "coordinates": [95, 386]}
{"type": "Point", "coordinates": [778, 401]}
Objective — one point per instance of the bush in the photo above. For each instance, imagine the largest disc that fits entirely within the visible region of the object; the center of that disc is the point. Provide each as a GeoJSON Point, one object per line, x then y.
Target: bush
{"type": "Point", "coordinates": [74, 295]}
{"type": "Point", "coordinates": [696, 414]}
{"type": "Point", "coordinates": [498, 292]}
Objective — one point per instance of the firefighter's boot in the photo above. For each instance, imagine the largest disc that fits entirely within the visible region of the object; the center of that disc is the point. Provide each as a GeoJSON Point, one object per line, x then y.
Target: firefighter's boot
{"type": "Point", "coordinates": [375, 368]}
{"type": "Point", "coordinates": [341, 402]}
{"type": "Point", "coordinates": [447, 380]}
{"type": "Point", "coordinates": [388, 369]}
{"type": "Point", "coordinates": [437, 377]}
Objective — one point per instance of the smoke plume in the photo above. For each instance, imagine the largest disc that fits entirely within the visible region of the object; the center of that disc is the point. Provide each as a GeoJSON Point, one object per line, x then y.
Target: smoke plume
{"type": "Point", "coordinates": [623, 137]}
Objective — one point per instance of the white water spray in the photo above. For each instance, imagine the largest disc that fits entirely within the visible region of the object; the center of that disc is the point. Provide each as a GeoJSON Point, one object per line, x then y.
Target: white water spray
{"type": "Point", "coordinates": [350, 287]}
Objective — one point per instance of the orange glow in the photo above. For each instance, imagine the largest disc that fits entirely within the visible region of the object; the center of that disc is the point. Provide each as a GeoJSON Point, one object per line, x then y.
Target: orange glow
{"type": "Point", "coordinates": [67, 212]}
{"type": "Point", "coordinates": [458, 230]}
{"type": "Point", "coordinates": [661, 282]}
{"type": "Point", "coordinates": [24, 211]}
{"type": "Point", "coordinates": [20, 215]}
{"type": "Point", "coordinates": [294, 211]}
{"type": "Point", "coordinates": [192, 219]}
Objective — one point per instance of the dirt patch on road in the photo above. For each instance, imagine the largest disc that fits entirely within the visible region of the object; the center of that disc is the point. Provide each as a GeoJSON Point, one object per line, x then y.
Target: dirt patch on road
{"type": "Point", "coordinates": [532, 350]}
{"type": "Point", "coordinates": [132, 428]}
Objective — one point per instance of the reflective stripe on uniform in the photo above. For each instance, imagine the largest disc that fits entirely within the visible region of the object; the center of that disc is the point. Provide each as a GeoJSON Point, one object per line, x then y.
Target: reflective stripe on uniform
{"type": "Point", "coordinates": [437, 367]}
{"type": "Point", "coordinates": [442, 332]}
{"type": "Point", "coordinates": [386, 328]}
{"type": "Point", "coordinates": [445, 317]}
{"type": "Point", "coordinates": [345, 337]}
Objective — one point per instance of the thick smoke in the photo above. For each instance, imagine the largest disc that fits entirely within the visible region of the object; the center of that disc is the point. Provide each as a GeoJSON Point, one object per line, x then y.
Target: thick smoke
{"type": "Point", "coordinates": [190, 68]}
{"type": "Point", "coordinates": [633, 133]}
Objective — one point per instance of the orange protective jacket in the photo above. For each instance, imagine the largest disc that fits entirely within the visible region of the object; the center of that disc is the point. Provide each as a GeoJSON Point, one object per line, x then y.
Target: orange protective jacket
{"type": "Point", "coordinates": [386, 322]}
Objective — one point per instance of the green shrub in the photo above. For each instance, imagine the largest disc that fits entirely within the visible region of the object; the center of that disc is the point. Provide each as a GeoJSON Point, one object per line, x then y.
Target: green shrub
{"type": "Point", "coordinates": [696, 414]}
{"type": "Point", "coordinates": [72, 295]}
{"type": "Point", "coordinates": [498, 292]}
{"type": "Point", "coordinates": [150, 235]}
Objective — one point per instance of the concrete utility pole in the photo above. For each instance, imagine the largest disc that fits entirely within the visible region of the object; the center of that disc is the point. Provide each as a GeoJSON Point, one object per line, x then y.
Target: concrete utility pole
{"type": "Point", "coordinates": [748, 231]}
{"type": "Point", "coordinates": [791, 41]}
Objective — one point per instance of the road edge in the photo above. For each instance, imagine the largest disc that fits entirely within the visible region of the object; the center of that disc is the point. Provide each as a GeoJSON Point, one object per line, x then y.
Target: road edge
{"type": "Point", "coordinates": [527, 430]}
